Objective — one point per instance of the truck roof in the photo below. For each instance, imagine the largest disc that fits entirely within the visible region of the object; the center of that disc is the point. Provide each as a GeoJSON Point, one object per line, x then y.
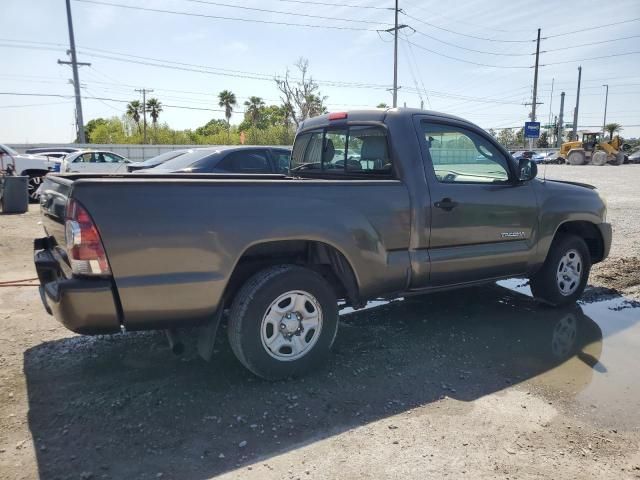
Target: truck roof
{"type": "Point", "coordinates": [377, 115]}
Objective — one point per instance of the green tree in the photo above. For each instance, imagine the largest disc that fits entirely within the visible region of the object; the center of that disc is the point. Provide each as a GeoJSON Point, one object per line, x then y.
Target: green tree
{"type": "Point", "coordinates": [134, 109]}
{"type": "Point", "coordinates": [613, 128]}
{"type": "Point", "coordinates": [227, 100]}
{"type": "Point", "coordinates": [90, 128]}
{"type": "Point", "coordinates": [382, 105]}
{"type": "Point", "coordinates": [212, 127]}
{"type": "Point", "coordinates": [506, 137]}
{"type": "Point", "coordinates": [492, 132]}
{"type": "Point", "coordinates": [154, 107]}
{"type": "Point", "coordinates": [543, 141]}
{"type": "Point", "coordinates": [255, 107]}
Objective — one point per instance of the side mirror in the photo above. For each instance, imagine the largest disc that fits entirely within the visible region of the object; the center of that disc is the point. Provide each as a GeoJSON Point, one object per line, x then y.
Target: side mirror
{"type": "Point", "coordinates": [527, 169]}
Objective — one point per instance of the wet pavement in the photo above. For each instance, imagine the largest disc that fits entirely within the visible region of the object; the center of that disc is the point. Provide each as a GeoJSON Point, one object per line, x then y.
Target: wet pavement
{"type": "Point", "coordinates": [124, 402]}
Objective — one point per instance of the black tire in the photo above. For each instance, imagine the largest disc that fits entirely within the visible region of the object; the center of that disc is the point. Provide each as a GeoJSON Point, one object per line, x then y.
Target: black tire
{"type": "Point", "coordinates": [34, 183]}
{"type": "Point", "coordinates": [252, 303]}
{"type": "Point", "coordinates": [544, 283]}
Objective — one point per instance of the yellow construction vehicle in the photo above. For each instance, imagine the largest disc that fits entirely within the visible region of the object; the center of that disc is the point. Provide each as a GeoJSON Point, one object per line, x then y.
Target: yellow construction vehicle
{"type": "Point", "coordinates": [593, 150]}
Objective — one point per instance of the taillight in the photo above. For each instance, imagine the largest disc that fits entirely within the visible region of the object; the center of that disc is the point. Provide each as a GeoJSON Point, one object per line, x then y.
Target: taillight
{"type": "Point", "coordinates": [84, 246]}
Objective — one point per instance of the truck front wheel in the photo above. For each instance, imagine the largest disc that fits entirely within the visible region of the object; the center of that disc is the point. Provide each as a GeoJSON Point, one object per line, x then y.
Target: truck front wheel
{"type": "Point", "coordinates": [283, 322]}
{"type": "Point", "coordinates": [565, 272]}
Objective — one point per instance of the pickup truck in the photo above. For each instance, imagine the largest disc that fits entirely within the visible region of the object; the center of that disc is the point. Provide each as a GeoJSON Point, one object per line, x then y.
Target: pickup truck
{"type": "Point", "coordinates": [377, 203]}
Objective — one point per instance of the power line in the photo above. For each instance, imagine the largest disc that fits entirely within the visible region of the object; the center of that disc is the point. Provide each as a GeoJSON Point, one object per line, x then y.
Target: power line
{"type": "Point", "coordinates": [280, 12]}
{"type": "Point", "coordinates": [589, 29]}
{"type": "Point", "coordinates": [466, 61]}
{"type": "Point", "coordinates": [471, 49]}
{"type": "Point", "coordinates": [590, 44]}
{"type": "Point", "coordinates": [57, 95]}
{"type": "Point", "coordinates": [35, 105]}
{"type": "Point", "coordinates": [326, 4]}
{"type": "Point", "coordinates": [219, 17]}
{"type": "Point", "coordinates": [591, 58]}
{"type": "Point", "coordinates": [458, 33]}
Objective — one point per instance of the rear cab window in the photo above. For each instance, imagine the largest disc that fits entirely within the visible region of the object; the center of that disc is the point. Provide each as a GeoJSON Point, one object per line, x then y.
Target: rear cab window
{"type": "Point", "coordinates": [359, 151]}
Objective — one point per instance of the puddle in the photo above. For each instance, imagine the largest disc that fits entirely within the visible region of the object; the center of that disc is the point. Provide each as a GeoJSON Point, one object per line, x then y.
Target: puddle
{"type": "Point", "coordinates": [603, 376]}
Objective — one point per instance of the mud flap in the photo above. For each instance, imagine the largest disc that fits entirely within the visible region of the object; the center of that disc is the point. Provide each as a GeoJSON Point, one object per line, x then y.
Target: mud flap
{"type": "Point", "coordinates": [207, 335]}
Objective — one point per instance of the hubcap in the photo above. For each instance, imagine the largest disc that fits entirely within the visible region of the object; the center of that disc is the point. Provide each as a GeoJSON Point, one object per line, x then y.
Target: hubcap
{"type": "Point", "coordinates": [291, 325]}
{"type": "Point", "coordinates": [569, 272]}
{"type": "Point", "coordinates": [32, 185]}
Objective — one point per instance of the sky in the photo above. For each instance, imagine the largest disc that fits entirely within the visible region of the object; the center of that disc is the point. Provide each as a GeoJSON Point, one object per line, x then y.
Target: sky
{"type": "Point", "coordinates": [468, 58]}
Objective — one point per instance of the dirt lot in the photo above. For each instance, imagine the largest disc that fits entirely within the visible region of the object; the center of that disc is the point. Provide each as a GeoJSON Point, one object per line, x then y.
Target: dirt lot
{"type": "Point", "coordinates": [478, 384]}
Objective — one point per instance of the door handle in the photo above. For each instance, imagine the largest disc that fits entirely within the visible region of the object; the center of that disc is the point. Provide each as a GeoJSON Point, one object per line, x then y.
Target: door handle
{"type": "Point", "coordinates": [446, 204]}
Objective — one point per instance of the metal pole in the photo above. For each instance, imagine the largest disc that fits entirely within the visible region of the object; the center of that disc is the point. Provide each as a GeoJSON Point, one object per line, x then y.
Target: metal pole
{"type": "Point", "coordinates": [144, 92]}
{"type": "Point", "coordinates": [574, 132]}
{"type": "Point", "coordinates": [395, 59]}
{"type": "Point", "coordinates": [535, 81]}
{"type": "Point", "coordinates": [76, 79]}
{"type": "Point", "coordinates": [560, 121]}
{"type": "Point", "coordinates": [551, 101]}
{"type": "Point", "coordinates": [606, 99]}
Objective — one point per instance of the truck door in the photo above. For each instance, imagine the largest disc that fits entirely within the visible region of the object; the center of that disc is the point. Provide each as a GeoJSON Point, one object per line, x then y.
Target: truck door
{"type": "Point", "coordinates": [483, 219]}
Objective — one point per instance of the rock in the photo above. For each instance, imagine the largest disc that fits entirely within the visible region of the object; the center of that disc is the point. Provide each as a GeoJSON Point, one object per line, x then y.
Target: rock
{"type": "Point", "coordinates": [86, 475]}
{"type": "Point", "coordinates": [221, 455]}
{"type": "Point", "coordinates": [159, 475]}
{"type": "Point", "coordinates": [20, 444]}
{"type": "Point", "coordinates": [242, 444]}
{"type": "Point", "coordinates": [392, 427]}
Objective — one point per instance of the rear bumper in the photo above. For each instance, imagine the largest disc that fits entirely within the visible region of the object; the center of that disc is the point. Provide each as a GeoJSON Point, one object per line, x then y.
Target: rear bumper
{"type": "Point", "coordinates": [83, 305]}
{"type": "Point", "coordinates": [607, 235]}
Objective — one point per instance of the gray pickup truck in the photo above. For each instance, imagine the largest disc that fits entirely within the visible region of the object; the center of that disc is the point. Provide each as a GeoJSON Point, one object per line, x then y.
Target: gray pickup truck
{"type": "Point", "coordinates": [378, 203]}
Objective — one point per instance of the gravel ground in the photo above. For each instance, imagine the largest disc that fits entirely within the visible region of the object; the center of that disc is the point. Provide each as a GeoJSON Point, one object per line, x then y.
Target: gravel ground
{"type": "Point", "coordinates": [479, 384]}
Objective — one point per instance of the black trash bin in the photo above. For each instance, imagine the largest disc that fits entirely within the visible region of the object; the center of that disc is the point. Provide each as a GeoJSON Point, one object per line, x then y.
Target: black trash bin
{"type": "Point", "coordinates": [14, 194]}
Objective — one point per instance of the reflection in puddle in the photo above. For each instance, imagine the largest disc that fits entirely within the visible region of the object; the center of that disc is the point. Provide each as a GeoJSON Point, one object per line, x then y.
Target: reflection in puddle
{"type": "Point", "coordinates": [612, 394]}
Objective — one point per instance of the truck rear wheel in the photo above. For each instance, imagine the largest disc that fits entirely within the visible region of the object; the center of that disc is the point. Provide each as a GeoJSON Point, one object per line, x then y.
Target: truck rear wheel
{"type": "Point", "coordinates": [618, 159]}
{"type": "Point", "coordinates": [576, 158]}
{"type": "Point", "coordinates": [565, 272]}
{"type": "Point", "coordinates": [283, 322]}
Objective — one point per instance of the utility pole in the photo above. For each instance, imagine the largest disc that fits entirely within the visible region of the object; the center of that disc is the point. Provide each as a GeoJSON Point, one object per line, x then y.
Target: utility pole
{"type": "Point", "coordinates": [76, 79]}
{"type": "Point", "coordinates": [395, 54]}
{"type": "Point", "coordinates": [606, 99]}
{"type": "Point", "coordinates": [535, 81]}
{"type": "Point", "coordinates": [560, 121]}
{"type": "Point", "coordinates": [574, 132]}
{"type": "Point", "coordinates": [551, 100]}
{"type": "Point", "coordinates": [144, 92]}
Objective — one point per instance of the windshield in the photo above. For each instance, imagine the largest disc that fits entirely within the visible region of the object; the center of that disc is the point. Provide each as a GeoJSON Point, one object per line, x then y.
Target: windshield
{"type": "Point", "coordinates": [164, 157]}
{"type": "Point", "coordinates": [9, 150]}
{"type": "Point", "coordinates": [186, 160]}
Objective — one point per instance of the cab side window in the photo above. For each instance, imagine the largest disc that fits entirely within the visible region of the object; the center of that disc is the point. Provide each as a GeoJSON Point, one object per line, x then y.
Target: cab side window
{"type": "Point", "coordinates": [459, 155]}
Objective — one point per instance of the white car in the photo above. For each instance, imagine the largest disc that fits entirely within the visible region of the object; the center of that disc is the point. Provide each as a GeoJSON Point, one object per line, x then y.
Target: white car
{"type": "Point", "coordinates": [94, 161]}
{"type": "Point", "coordinates": [33, 166]}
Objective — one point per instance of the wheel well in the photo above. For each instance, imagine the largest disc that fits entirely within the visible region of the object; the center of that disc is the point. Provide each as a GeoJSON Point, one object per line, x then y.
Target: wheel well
{"type": "Point", "coordinates": [317, 256]}
{"type": "Point", "coordinates": [589, 233]}
{"type": "Point", "coordinates": [35, 173]}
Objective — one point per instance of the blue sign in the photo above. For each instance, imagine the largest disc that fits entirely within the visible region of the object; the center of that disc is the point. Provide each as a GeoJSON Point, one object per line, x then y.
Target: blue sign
{"type": "Point", "coordinates": [532, 130]}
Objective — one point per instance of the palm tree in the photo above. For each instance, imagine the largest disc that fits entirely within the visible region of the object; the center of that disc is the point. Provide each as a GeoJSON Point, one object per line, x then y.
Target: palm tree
{"type": "Point", "coordinates": [612, 128]}
{"type": "Point", "coordinates": [227, 100]}
{"type": "Point", "coordinates": [254, 109]}
{"type": "Point", "coordinates": [133, 110]}
{"type": "Point", "coordinates": [154, 107]}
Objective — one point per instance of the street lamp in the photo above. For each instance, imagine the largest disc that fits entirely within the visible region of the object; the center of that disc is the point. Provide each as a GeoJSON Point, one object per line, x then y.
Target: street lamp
{"type": "Point", "coordinates": [604, 122]}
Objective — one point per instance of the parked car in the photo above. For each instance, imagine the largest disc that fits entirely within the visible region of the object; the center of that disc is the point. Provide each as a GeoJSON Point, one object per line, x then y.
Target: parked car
{"type": "Point", "coordinates": [634, 157]}
{"type": "Point", "coordinates": [228, 159]}
{"type": "Point", "coordinates": [33, 166]}
{"type": "Point", "coordinates": [157, 160]}
{"type": "Point", "coordinates": [94, 161]}
{"type": "Point", "coordinates": [415, 213]}
{"type": "Point", "coordinates": [39, 150]}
